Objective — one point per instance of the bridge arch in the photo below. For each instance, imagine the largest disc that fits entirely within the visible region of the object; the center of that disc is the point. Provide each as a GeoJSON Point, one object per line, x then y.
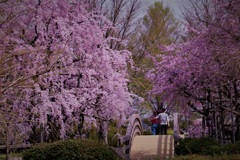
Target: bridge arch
{"type": "Point", "coordinates": [134, 128]}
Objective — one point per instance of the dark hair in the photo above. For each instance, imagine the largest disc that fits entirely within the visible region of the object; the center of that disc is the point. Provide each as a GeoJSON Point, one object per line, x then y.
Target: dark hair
{"type": "Point", "coordinates": [154, 112]}
{"type": "Point", "coordinates": [163, 109]}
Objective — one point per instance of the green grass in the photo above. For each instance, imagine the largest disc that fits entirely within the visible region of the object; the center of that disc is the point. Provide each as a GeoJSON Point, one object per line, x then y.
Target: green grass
{"type": "Point", "coordinates": [187, 157]}
{"type": "Point", "coordinates": [170, 131]}
{"type": "Point", "coordinates": [201, 157]}
{"type": "Point", "coordinates": [3, 156]}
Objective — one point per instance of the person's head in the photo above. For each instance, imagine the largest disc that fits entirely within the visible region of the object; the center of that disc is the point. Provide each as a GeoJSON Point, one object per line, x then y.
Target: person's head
{"type": "Point", "coordinates": [163, 110]}
{"type": "Point", "coordinates": [154, 112]}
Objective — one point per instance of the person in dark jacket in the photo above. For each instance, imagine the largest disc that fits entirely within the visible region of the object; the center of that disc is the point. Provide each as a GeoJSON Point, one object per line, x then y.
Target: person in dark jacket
{"type": "Point", "coordinates": [155, 124]}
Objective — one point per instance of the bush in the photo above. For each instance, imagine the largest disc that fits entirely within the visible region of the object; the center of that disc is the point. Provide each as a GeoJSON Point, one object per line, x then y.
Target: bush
{"type": "Point", "coordinates": [232, 148]}
{"type": "Point", "coordinates": [220, 149]}
{"type": "Point", "coordinates": [70, 149]}
{"type": "Point", "coordinates": [205, 146]}
{"type": "Point", "coordinates": [147, 132]}
{"type": "Point", "coordinates": [195, 146]}
{"type": "Point", "coordinates": [147, 122]}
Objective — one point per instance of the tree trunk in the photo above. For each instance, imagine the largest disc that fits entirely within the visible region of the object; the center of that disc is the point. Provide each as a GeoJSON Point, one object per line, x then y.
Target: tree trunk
{"type": "Point", "coordinates": [7, 145]}
{"type": "Point", "coordinates": [42, 134]}
{"type": "Point", "coordinates": [237, 133]}
{"type": "Point", "coordinates": [215, 125]}
{"type": "Point", "coordinates": [7, 152]}
{"type": "Point", "coordinates": [80, 125]}
{"type": "Point", "coordinates": [222, 126]}
{"type": "Point", "coordinates": [233, 128]}
{"type": "Point", "coordinates": [106, 132]}
{"type": "Point", "coordinates": [236, 104]}
{"type": "Point", "coordinates": [103, 131]}
{"type": "Point", "coordinates": [223, 135]}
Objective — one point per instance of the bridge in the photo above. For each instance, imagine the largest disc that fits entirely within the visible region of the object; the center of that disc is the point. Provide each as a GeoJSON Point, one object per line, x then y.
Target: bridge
{"type": "Point", "coordinates": [136, 146]}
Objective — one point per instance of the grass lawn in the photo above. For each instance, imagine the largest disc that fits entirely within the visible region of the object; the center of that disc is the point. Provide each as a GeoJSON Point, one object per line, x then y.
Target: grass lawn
{"type": "Point", "coordinates": [187, 157]}
{"type": "Point", "coordinates": [201, 157]}
{"type": "Point", "coordinates": [3, 156]}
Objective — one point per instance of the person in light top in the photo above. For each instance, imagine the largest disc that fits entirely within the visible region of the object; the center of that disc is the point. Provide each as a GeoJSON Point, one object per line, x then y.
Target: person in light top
{"type": "Point", "coordinates": [164, 121]}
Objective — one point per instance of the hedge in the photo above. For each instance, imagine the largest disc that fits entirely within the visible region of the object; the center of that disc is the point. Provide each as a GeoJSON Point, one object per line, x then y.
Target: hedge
{"type": "Point", "coordinates": [205, 146]}
{"type": "Point", "coordinates": [70, 150]}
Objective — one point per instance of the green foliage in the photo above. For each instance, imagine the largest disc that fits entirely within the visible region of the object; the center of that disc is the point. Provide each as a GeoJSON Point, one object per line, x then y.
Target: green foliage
{"type": "Point", "coordinates": [184, 124]}
{"type": "Point", "coordinates": [161, 25]}
{"type": "Point", "coordinates": [92, 134]}
{"type": "Point", "coordinates": [205, 146]}
{"type": "Point", "coordinates": [170, 131]}
{"type": "Point", "coordinates": [225, 149]}
{"type": "Point", "coordinates": [194, 145]}
{"type": "Point", "coordinates": [113, 140]}
{"type": "Point", "coordinates": [3, 156]}
{"type": "Point", "coordinates": [158, 27]}
{"type": "Point", "coordinates": [71, 150]}
{"type": "Point", "coordinates": [113, 133]}
{"type": "Point", "coordinates": [146, 121]}
{"type": "Point", "coordinates": [147, 132]}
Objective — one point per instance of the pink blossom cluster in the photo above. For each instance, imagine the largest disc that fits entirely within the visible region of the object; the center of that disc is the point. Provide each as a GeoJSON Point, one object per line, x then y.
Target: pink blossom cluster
{"type": "Point", "coordinates": [59, 65]}
{"type": "Point", "coordinates": [196, 130]}
{"type": "Point", "coordinates": [201, 74]}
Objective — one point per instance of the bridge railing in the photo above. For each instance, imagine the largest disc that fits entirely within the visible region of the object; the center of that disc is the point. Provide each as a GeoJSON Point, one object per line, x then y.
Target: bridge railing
{"type": "Point", "coordinates": [134, 128]}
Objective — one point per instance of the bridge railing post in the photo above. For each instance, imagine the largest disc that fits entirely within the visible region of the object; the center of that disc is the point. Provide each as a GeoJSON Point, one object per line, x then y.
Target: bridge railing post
{"type": "Point", "coordinates": [175, 124]}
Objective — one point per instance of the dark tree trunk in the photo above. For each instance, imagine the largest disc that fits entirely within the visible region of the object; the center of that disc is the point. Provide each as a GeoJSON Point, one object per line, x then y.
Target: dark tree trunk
{"type": "Point", "coordinates": [236, 104]}
{"type": "Point", "coordinates": [223, 135]}
{"type": "Point", "coordinates": [42, 134]}
{"type": "Point", "coordinates": [102, 131]}
{"type": "Point", "coordinates": [237, 134]}
{"type": "Point", "coordinates": [80, 126]}
{"type": "Point", "coordinates": [7, 144]}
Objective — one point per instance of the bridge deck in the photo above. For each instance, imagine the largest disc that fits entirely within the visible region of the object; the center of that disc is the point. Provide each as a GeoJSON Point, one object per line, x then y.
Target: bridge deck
{"type": "Point", "coordinates": [149, 146]}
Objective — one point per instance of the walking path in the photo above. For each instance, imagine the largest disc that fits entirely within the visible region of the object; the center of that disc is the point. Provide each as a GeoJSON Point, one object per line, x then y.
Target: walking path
{"type": "Point", "coordinates": [149, 146]}
{"type": "Point", "coordinates": [136, 146]}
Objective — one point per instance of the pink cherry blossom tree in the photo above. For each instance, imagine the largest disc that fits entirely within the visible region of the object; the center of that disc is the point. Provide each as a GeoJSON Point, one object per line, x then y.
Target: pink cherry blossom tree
{"type": "Point", "coordinates": [201, 74]}
{"type": "Point", "coordinates": [71, 76]}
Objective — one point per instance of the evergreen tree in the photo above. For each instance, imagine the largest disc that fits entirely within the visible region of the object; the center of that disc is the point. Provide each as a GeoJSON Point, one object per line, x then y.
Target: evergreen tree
{"type": "Point", "coordinates": [159, 27]}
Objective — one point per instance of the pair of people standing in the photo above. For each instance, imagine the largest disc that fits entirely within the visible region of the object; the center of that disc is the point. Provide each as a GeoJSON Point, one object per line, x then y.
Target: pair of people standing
{"type": "Point", "coordinates": [160, 122]}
